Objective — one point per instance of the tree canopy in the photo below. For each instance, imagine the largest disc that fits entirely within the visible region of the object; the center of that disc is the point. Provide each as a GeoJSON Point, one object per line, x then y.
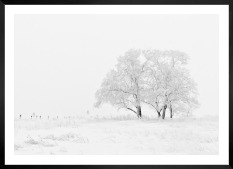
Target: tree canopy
{"type": "Point", "coordinates": [153, 77]}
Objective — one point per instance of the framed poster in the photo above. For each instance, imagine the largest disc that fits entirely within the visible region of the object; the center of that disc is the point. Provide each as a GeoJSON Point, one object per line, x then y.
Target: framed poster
{"type": "Point", "coordinates": [116, 84]}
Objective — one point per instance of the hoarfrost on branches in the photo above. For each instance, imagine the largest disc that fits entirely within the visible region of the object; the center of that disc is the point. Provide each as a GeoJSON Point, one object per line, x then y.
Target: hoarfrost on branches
{"type": "Point", "coordinates": [161, 80]}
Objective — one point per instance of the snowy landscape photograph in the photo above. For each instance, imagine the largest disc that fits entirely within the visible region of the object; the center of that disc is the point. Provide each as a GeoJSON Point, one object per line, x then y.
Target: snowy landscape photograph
{"type": "Point", "coordinates": [116, 84]}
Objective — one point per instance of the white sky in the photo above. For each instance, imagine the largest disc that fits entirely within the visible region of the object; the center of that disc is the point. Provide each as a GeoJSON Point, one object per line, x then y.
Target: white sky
{"type": "Point", "coordinates": [61, 60]}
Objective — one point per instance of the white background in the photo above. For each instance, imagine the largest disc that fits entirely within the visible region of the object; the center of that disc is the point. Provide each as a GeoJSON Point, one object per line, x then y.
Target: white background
{"type": "Point", "coordinates": [61, 60]}
{"type": "Point", "coordinates": [203, 53]}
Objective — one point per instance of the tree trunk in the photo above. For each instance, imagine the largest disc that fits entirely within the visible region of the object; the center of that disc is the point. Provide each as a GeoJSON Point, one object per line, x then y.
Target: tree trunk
{"type": "Point", "coordinates": [164, 111]}
{"type": "Point", "coordinates": [159, 114]}
{"type": "Point", "coordinates": [171, 112]}
{"type": "Point", "coordinates": [139, 112]}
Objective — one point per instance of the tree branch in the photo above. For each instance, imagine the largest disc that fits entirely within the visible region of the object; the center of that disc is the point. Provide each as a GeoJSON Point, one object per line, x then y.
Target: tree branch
{"type": "Point", "coordinates": [120, 90]}
{"type": "Point", "coordinates": [131, 110]}
{"type": "Point", "coordinates": [149, 104]}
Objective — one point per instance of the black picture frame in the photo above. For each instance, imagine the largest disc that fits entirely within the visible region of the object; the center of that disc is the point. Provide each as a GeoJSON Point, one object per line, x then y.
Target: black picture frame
{"type": "Point", "coordinates": [113, 2]}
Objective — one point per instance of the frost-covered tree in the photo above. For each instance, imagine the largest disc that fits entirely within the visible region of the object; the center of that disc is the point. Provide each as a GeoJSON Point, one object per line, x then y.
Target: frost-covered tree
{"type": "Point", "coordinates": [169, 82]}
{"type": "Point", "coordinates": [123, 85]}
{"type": "Point", "coordinates": [157, 78]}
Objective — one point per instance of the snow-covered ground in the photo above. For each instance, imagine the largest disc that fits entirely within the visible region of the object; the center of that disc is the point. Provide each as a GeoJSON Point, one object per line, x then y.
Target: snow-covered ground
{"type": "Point", "coordinates": [117, 136]}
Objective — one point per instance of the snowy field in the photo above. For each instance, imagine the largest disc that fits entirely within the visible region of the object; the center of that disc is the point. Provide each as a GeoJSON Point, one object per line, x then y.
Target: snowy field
{"type": "Point", "coordinates": [93, 136]}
